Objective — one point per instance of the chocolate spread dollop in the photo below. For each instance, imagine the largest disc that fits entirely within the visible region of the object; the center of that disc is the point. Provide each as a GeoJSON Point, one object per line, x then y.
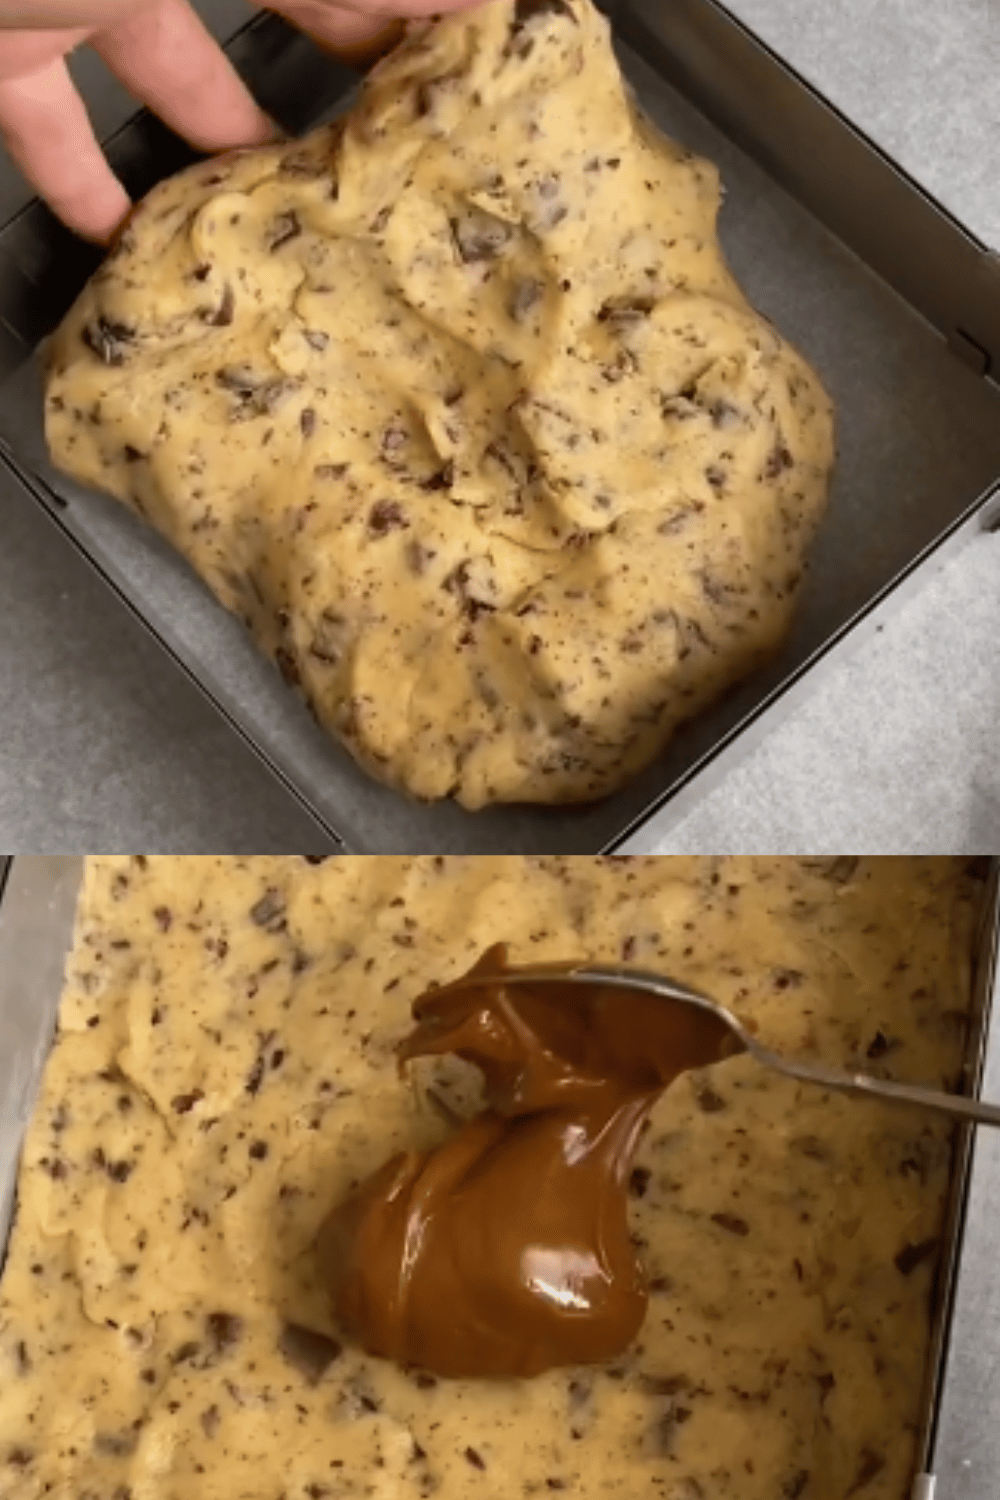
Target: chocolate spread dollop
{"type": "Point", "coordinates": [506, 1251]}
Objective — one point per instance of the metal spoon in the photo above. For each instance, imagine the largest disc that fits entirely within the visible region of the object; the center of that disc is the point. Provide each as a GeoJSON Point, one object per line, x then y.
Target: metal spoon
{"type": "Point", "coordinates": [958, 1106]}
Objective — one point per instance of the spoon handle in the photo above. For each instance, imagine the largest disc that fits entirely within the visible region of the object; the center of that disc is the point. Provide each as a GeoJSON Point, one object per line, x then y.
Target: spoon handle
{"type": "Point", "coordinates": [958, 1106]}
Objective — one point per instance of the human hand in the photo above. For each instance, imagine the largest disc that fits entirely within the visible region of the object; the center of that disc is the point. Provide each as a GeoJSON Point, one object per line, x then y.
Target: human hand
{"type": "Point", "coordinates": [166, 58]}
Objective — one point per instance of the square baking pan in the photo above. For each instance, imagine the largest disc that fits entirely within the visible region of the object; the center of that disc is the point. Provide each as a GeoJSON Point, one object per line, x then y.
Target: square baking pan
{"type": "Point", "coordinates": [893, 302]}
{"type": "Point", "coordinates": [38, 896]}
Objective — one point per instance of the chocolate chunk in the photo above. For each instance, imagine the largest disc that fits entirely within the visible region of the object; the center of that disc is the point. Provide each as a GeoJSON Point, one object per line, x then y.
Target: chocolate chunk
{"type": "Point", "coordinates": [623, 312]}
{"type": "Point", "coordinates": [871, 1465]}
{"type": "Point", "coordinates": [387, 516]}
{"type": "Point", "coordinates": [223, 315]}
{"type": "Point", "coordinates": [880, 1046]}
{"type": "Point", "coordinates": [20, 1458]}
{"type": "Point", "coordinates": [310, 1352]}
{"type": "Point", "coordinates": [287, 666]}
{"type": "Point", "coordinates": [779, 459]}
{"type": "Point", "coordinates": [116, 1444]}
{"type": "Point", "coordinates": [838, 870]}
{"type": "Point", "coordinates": [638, 1183]}
{"type": "Point", "coordinates": [524, 297]}
{"type": "Point", "coordinates": [526, 11]}
{"type": "Point", "coordinates": [709, 1100]}
{"type": "Point", "coordinates": [479, 236]}
{"type": "Point", "coordinates": [256, 1076]}
{"type": "Point", "coordinates": [284, 228]}
{"type": "Point", "coordinates": [258, 1150]}
{"type": "Point", "coordinates": [475, 1459]}
{"type": "Point", "coordinates": [224, 1330]}
{"type": "Point", "coordinates": [183, 1104]}
{"type": "Point", "coordinates": [666, 1429]}
{"type": "Point", "coordinates": [110, 341]}
{"type": "Point", "coordinates": [664, 1385]}
{"type": "Point", "coordinates": [911, 1256]}
{"type": "Point", "coordinates": [732, 1223]}
{"type": "Point", "coordinates": [269, 911]}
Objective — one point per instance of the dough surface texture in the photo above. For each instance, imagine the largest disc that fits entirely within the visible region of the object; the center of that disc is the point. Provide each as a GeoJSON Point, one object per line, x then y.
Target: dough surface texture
{"type": "Point", "coordinates": [224, 1072]}
{"type": "Point", "coordinates": [458, 406]}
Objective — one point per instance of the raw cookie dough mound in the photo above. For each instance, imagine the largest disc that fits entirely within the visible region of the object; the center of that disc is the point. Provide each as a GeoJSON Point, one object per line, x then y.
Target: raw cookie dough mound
{"type": "Point", "coordinates": [459, 407]}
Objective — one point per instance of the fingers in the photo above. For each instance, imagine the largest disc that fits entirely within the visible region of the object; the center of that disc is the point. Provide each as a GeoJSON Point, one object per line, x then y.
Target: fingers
{"type": "Point", "coordinates": [410, 9]}
{"type": "Point", "coordinates": [351, 33]}
{"type": "Point", "coordinates": [47, 15]}
{"type": "Point", "coordinates": [165, 57]}
{"type": "Point", "coordinates": [49, 136]}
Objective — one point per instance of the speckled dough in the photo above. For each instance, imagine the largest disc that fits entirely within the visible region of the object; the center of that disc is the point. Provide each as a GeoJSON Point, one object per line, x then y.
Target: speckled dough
{"type": "Point", "coordinates": [224, 1071]}
{"type": "Point", "coordinates": [460, 408]}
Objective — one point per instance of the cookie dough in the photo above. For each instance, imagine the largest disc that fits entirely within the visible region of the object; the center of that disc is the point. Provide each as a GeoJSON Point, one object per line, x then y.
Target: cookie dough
{"type": "Point", "coordinates": [459, 407]}
{"type": "Point", "coordinates": [225, 1070]}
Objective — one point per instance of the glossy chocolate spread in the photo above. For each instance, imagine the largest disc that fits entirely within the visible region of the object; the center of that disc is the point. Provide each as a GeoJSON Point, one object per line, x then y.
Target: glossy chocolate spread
{"type": "Point", "coordinates": [506, 1251]}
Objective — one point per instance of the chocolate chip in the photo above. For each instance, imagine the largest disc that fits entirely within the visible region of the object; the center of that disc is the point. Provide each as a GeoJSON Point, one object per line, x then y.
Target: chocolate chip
{"type": "Point", "coordinates": [258, 1150]}
{"type": "Point", "coordinates": [210, 1421]}
{"type": "Point", "coordinates": [185, 1352]}
{"type": "Point", "coordinates": [20, 1458]}
{"type": "Point", "coordinates": [793, 1487]}
{"type": "Point", "coordinates": [911, 1256]}
{"type": "Point", "coordinates": [119, 1171]}
{"type": "Point", "coordinates": [132, 455]}
{"type": "Point", "coordinates": [310, 1352]}
{"type": "Point", "coordinates": [307, 421]}
{"type": "Point", "coordinates": [316, 859]}
{"type": "Point", "coordinates": [731, 1223]}
{"type": "Point", "coordinates": [475, 1459]}
{"type": "Point", "coordinates": [163, 918]}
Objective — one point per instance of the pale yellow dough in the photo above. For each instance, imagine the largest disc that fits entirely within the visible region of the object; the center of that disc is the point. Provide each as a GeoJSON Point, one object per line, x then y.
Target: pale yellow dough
{"type": "Point", "coordinates": [224, 1071]}
{"type": "Point", "coordinates": [462, 411]}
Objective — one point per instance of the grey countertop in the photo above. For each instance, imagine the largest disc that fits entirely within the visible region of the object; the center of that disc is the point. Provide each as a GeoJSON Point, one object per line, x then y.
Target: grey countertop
{"type": "Point", "coordinates": [106, 744]}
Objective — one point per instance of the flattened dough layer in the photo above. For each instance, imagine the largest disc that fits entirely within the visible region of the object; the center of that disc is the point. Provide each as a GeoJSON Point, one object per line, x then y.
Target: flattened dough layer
{"type": "Point", "coordinates": [225, 1070]}
{"type": "Point", "coordinates": [459, 407]}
